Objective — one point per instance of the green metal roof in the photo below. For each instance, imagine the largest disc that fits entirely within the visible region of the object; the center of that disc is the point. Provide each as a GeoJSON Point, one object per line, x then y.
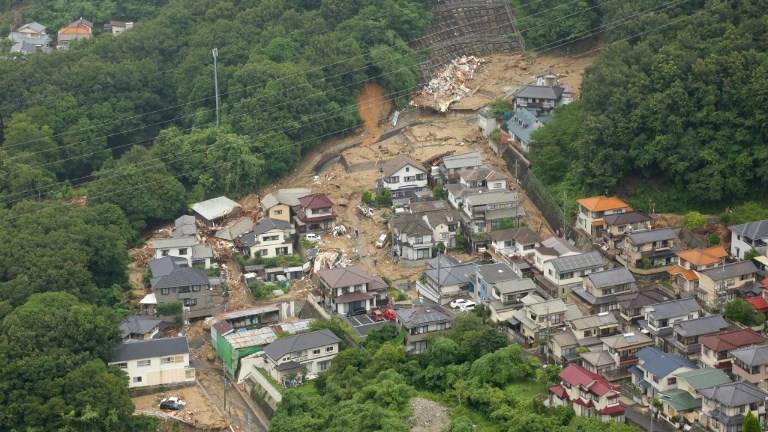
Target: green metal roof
{"type": "Point", "coordinates": [703, 378]}
{"type": "Point", "coordinates": [680, 400]}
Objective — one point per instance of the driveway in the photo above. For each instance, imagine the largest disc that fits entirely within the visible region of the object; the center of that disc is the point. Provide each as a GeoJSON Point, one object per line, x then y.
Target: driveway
{"type": "Point", "coordinates": [363, 324]}
{"type": "Point", "coordinates": [640, 417]}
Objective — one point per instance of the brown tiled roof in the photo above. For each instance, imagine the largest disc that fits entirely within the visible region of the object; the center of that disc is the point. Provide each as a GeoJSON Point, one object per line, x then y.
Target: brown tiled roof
{"type": "Point", "coordinates": [731, 339]}
{"type": "Point", "coordinates": [315, 201]}
{"type": "Point", "coordinates": [602, 203]}
{"type": "Point", "coordinates": [708, 256]}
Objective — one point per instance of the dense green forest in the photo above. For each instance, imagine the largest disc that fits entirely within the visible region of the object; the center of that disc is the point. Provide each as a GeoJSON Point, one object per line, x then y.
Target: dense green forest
{"type": "Point", "coordinates": [675, 116]}
{"type": "Point", "coordinates": [129, 121]}
{"type": "Point", "coordinates": [487, 385]}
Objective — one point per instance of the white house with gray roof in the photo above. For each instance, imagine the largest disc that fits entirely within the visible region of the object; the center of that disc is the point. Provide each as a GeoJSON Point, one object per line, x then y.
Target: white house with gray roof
{"type": "Point", "coordinates": [750, 364]}
{"type": "Point", "coordinates": [292, 359]}
{"type": "Point", "coordinates": [155, 362]}
{"type": "Point", "coordinates": [451, 165]}
{"type": "Point", "coordinates": [174, 282]}
{"type": "Point", "coordinates": [568, 271]}
{"type": "Point", "coordinates": [660, 317]}
{"type": "Point", "coordinates": [445, 280]}
{"type": "Point", "coordinates": [412, 237]}
{"type": "Point", "coordinates": [486, 210]}
{"type": "Point", "coordinates": [724, 406]}
{"type": "Point", "coordinates": [551, 248]}
{"type": "Point", "coordinates": [520, 242]}
{"type": "Point", "coordinates": [268, 239]}
{"type": "Point", "coordinates": [506, 297]}
{"type": "Point", "coordinates": [189, 248]}
{"type": "Point", "coordinates": [544, 95]}
{"type": "Point", "coordinates": [748, 236]}
{"type": "Point", "coordinates": [540, 317]}
{"type": "Point", "coordinates": [422, 322]}
{"type": "Point", "coordinates": [723, 283]}
{"type": "Point", "coordinates": [403, 175]}
{"type": "Point", "coordinates": [488, 275]}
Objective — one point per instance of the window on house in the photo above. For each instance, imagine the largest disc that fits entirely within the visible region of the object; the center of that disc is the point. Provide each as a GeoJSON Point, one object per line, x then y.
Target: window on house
{"type": "Point", "coordinates": [122, 365]}
{"type": "Point", "coordinates": [183, 251]}
{"type": "Point", "coordinates": [323, 366]}
{"type": "Point", "coordinates": [164, 253]}
{"type": "Point", "coordinates": [316, 352]}
{"type": "Point", "coordinates": [329, 349]}
{"type": "Point", "coordinates": [196, 288]}
{"type": "Point", "coordinates": [136, 380]}
{"type": "Point", "coordinates": [183, 289]}
{"type": "Point", "coordinates": [671, 381]}
{"type": "Point", "coordinates": [264, 252]}
{"type": "Point", "coordinates": [190, 302]}
{"type": "Point", "coordinates": [166, 360]}
{"type": "Point", "coordinates": [143, 363]}
{"type": "Point", "coordinates": [165, 291]}
{"type": "Point", "coordinates": [278, 212]}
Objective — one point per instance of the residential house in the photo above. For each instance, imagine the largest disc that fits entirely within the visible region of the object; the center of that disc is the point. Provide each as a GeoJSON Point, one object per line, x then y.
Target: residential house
{"type": "Point", "coordinates": [593, 210]}
{"type": "Point", "coordinates": [724, 407]}
{"type": "Point", "coordinates": [187, 248]}
{"type": "Point", "coordinates": [589, 394]}
{"type": "Point", "coordinates": [155, 362]}
{"type": "Point", "coordinates": [581, 334]}
{"type": "Point", "coordinates": [314, 213]}
{"type": "Point", "coordinates": [422, 322]}
{"type": "Point", "coordinates": [184, 226]}
{"type": "Point", "coordinates": [684, 274]}
{"type": "Point", "coordinates": [632, 306]}
{"type": "Point", "coordinates": [80, 29]}
{"type": "Point", "coordinates": [660, 317]}
{"type": "Point", "coordinates": [656, 371]}
{"type": "Point", "coordinates": [540, 318]}
{"type": "Point", "coordinates": [234, 229]}
{"type": "Point", "coordinates": [488, 275]}
{"type": "Point", "coordinates": [623, 349]}
{"type": "Point", "coordinates": [117, 27]}
{"type": "Point", "coordinates": [750, 364]}
{"type": "Point", "coordinates": [602, 291]}
{"type": "Point", "coordinates": [551, 248]}
{"type": "Point", "coordinates": [543, 96]}
{"type": "Point", "coordinates": [212, 212]}
{"type": "Point", "coordinates": [490, 210]}
{"type": "Point", "coordinates": [563, 347]}
{"type": "Point", "coordinates": [486, 121]}
{"type": "Point", "coordinates": [278, 205]}
{"type": "Point", "coordinates": [685, 400]}
{"type": "Point", "coordinates": [567, 272]}
{"type": "Point", "coordinates": [412, 237]}
{"type": "Point", "coordinates": [292, 359]}
{"type": "Point", "coordinates": [451, 165]}
{"type": "Point", "coordinates": [30, 38]}
{"type": "Point", "coordinates": [403, 176]}
{"type": "Point", "coordinates": [520, 242]}
{"type": "Point", "coordinates": [616, 226]}
{"type": "Point", "coordinates": [522, 124]}
{"type": "Point", "coordinates": [444, 224]}
{"type": "Point", "coordinates": [748, 236]}
{"type": "Point", "coordinates": [506, 297]}
{"type": "Point", "coordinates": [137, 327]}
{"type": "Point", "coordinates": [650, 249]}
{"type": "Point", "coordinates": [351, 289]}
{"type": "Point", "coordinates": [723, 283]}
{"type": "Point", "coordinates": [482, 177]}
{"type": "Point", "coordinates": [173, 282]}
{"type": "Point", "coordinates": [269, 238]}
{"type": "Point", "coordinates": [445, 280]}
{"type": "Point", "coordinates": [684, 339]}
{"type": "Point", "coordinates": [716, 348]}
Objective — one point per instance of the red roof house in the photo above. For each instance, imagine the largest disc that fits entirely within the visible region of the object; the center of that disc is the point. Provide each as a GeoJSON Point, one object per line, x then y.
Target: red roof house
{"type": "Point", "coordinates": [314, 213]}
{"type": "Point", "coordinates": [604, 402]}
{"type": "Point", "coordinates": [716, 348]}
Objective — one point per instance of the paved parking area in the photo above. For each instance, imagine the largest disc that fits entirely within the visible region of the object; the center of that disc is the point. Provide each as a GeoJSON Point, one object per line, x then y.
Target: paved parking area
{"type": "Point", "coordinates": [363, 324]}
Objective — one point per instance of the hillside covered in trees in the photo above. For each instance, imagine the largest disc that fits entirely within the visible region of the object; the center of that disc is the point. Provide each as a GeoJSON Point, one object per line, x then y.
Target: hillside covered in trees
{"type": "Point", "coordinates": [675, 115]}
{"type": "Point", "coordinates": [129, 121]}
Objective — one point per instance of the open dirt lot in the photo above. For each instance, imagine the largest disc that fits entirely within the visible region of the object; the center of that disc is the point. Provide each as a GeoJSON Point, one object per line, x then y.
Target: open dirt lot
{"type": "Point", "coordinates": [197, 412]}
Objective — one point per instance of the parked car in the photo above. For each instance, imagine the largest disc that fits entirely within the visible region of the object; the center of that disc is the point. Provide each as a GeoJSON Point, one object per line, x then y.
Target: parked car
{"type": "Point", "coordinates": [381, 315]}
{"type": "Point", "coordinates": [458, 303]}
{"type": "Point", "coordinates": [381, 241]}
{"type": "Point", "coordinates": [312, 237]}
{"type": "Point", "coordinates": [469, 306]}
{"type": "Point", "coordinates": [172, 403]}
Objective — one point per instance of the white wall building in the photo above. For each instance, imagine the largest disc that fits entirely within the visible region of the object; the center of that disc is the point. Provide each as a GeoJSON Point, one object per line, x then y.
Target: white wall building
{"type": "Point", "coordinates": [155, 362]}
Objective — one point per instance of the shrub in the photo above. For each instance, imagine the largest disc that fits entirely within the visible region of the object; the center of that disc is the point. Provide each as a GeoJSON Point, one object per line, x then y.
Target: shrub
{"type": "Point", "coordinates": [694, 220]}
{"type": "Point", "coordinates": [713, 239]}
{"type": "Point", "coordinates": [384, 198]}
{"type": "Point", "coordinates": [367, 198]}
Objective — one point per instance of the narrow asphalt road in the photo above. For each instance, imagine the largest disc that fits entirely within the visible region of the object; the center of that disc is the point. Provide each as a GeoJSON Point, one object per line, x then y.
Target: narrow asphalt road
{"type": "Point", "coordinates": [641, 418]}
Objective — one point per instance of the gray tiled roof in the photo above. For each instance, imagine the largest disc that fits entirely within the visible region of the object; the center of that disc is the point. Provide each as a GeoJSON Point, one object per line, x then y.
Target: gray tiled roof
{"type": "Point", "coordinates": [701, 326]}
{"type": "Point", "coordinates": [410, 224]}
{"type": "Point", "coordinates": [346, 277]}
{"type": "Point", "coordinates": [731, 270]}
{"type": "Point", "coordinates": [540, 92]}
{"type": "Point", "coordinates": [151, 349]}
{"type": "Point", "coordinates": [578, 262]}
{"type": "Point", "coordinates": [591, 321]}
{"type": "Point", "coordinates": [421, 314]}
{"type": "Point", "coordinates": [265, 225]}
{"type": "Point", "coordinates": [522, 235]}
{"type": "Point", "coordinates": [300, 342]}
{"type": "Point", "coordinates": [734, 394]}
{"type": "Point", "coordinates": [612, 277]}
{"type": "Point", "coordinates": [492, 197]}
{"type": "Point", "coordinates": [181, 277]}
{"type": "Point", "coordinates": [496, 272]}
{"type": "Point", "coordinates": [626, 218]}
{"type": "Point", "coordinates": [178, 242]}
{"type": "Point", "coordinates": [289, 197]}
{"type": "Point", "coordinates": [643, 237]}
{"type": "Point", "coordinates": [461, 274]}
{"type": "Point", "coordinates": [393, 165]}
{"type": "Point", "coordinates": [165, 265]}
{"type": "Point", "coordinates": [556, 246]}
{"type": "Point", "coordinates": [134, 324]}
{"type": "Point", "coordinates": [235, 229]}
{"type": "Point", "coordinates": [515, 286]}
{"type": "Point", "coordinates": [673, 308]}
{"type": "Point", "coordinates": [202, 251]}
{"type": "Point", "coordinates": [462, 160]}
{"type": "Point", "coordinates": [753, 355]}
{"type": "Point", "coordinates": [752, 230]}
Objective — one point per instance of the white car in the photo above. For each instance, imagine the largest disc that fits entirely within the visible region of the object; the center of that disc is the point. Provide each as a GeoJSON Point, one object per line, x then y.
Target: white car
{"type": "Point", "coordinates": [312, 237]}
{"type": "Point", "coordinates": [469, 306]}
{"type": "Point", "coordinates": [459, 303]}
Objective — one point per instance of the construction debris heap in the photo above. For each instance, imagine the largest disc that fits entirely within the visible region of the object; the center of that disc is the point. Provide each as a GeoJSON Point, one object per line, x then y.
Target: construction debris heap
{"type": "Point", "coordinates": [450, 84]}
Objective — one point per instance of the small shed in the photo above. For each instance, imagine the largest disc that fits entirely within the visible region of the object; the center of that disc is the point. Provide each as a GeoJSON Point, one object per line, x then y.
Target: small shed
{"type": "Point", "coordinates": [212, 212]}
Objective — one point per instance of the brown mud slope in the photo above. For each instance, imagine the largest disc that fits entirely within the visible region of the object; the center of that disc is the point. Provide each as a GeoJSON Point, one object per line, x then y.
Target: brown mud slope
{"type": "Point", "coordinates": [372, 106]}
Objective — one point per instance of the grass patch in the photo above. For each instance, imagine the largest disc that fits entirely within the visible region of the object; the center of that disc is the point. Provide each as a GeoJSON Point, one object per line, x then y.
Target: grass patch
{"type": "Point", "coordinates": [271, 380]}
{"type": "Point", "coordinates": [527, 391]}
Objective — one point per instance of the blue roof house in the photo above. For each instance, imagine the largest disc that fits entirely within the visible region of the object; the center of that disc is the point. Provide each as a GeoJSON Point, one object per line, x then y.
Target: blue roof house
{"type": "Point", "coordinates": [655, 371]}
{"type": "Point", "coordinates": [522, 124]}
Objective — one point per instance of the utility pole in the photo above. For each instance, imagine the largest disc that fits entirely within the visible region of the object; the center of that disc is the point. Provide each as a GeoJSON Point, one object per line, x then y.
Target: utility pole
{"type": "Point", "coordinates": [224, 375]}
{"type": "Point", "coordinates": [215, 53]}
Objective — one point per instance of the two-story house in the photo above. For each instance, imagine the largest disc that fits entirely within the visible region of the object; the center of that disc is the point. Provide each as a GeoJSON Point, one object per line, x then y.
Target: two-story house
{"type": "Point", "coordinates": [402, 176]}
{"type": "Point", "coordinates": [655, 371]}
{"type": "Point", "coordinates": [292, 359]}
{"type": "Point", "coordinates": [716, 348]}
{"type": "Point", "coordinates": [174, 282]}
{"type": "Point", "coordinates": [684, 274]}
{"type": "Point", "coordinates": [488, 275]}
{"type": "Point", "coordinates": [724, 407]}
{"type": "Point", "coordinates": [541, 97]}
{"type": "Point", "coordinates": [187, 248]}
{"type": "Point", "coordinates": [451, 166]}
{"type": "Point", "coordinates": [522, 124]}
{"type": "Point", "coordinates": [592, 210]}
{"type": "Point", "coordinates": [520, 242]}
{"type": "Point", "coordinates": [567, 272]}
{"type": "Point", "coordinates": [412, 237]}
{"type": "Point", "coordinates": [482, 177]}
{"type": "Point", "coordinates": [137, 327]}
{"type": "Point", "coordinates": [602, 291]}
{"type": "Point", "coordinates": [422, 322]}
{"type": "Point", "coordinates": [445, 280]}
{"type": "Point", "coordinates": [444, 224]}
{"type": "Point", "coordinates": [506, 297]}
{"type": "Point", "coordinates": [616, 226]}
{"type": "Point", "coordinates": [539, 318]}
{"type": "Point", "coordinates": [684, 339]}
{"type": "Point", "coordinates": [721, 284]}
{"type": "Point", "coordinates": [583, 334]}
{"type": "Point", "coordinates": [623, 349]}
{"type": "Point", "coordinates": [79, 29]}
{"type": "Point", "coordinates": [314, 213]}
{"type": "Point", "coordinates": [660, 317]}
{"type": "Point", "coordinates": [488, 210]}
{"type": "Point", "coordinates": [155, 362]}
{"type": "Point", "coordinates": [30, 38]}
{"type": "Point", "coordinates": [588, 393]}
{"type": "Point", "coordinates": [269, 238]}
{"type": "Point", "coordinates": [685, 400]}
{"type": "Point", "coordinates": [748, 236]}
{"type": "Point", "coordinates": [279, 204]}
{"type": "Point", "coordinates": [350, 289]}
{"type": "Point", "coordinates": [551, 248]}
{"type": "Point", "coordinates": [632, 306]}
{"type": "Point", "coordinates": [750, 364]}
{"type": "Point", "coordinates": [650, 249]}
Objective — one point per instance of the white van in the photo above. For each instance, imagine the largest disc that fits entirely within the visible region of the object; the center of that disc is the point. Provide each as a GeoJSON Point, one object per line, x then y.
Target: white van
{"type": "Point", "coordinates": [381, 241]}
